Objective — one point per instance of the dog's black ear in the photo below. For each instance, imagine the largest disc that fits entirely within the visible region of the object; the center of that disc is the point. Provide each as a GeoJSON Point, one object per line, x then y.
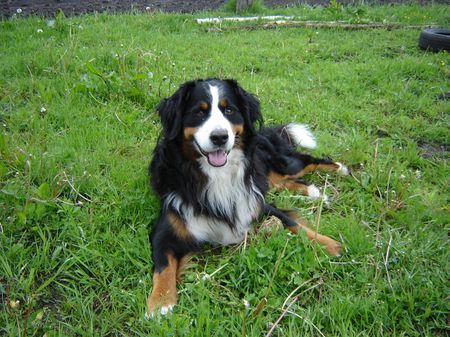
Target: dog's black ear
{"type": "Point", "coordinates": [249, 105]}
{"type": "Point", "coordinates": [170, 110]}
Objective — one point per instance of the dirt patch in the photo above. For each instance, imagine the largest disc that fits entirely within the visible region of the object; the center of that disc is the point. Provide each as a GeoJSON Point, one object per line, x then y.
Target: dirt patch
{"type": "Point", "coordinates": [434, 151]}
{"type": "Point", "coordinates": [75, 7]}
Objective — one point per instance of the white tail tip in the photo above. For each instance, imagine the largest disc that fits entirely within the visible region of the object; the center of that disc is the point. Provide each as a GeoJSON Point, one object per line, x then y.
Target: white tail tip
{"type": "Point", "coordinates": [301, 135]}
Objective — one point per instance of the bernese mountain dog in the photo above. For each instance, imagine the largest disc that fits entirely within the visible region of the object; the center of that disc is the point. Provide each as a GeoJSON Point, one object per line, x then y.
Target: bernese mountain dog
{"type": "Point", "coordinates": [212, 167]}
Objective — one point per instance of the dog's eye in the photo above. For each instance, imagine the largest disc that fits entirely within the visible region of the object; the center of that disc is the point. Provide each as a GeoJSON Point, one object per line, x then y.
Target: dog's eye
{"type": "Point", "coordinates": [228, 111]}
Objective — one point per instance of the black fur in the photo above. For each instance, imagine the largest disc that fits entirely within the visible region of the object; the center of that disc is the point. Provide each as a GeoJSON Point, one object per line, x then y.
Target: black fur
{"type": "Point", "coordinates": [173, 172]}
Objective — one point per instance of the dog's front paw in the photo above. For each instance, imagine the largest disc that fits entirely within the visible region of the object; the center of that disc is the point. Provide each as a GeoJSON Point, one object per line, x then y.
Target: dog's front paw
{"type": "Point", "coordinates": [160, 303]}
{"type": "Point", "coordinates": [153, 311]}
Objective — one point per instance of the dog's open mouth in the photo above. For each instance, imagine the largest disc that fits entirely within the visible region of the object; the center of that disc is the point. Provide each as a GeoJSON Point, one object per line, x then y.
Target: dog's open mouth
{"type": "Point", "coordinates": [216, 158]}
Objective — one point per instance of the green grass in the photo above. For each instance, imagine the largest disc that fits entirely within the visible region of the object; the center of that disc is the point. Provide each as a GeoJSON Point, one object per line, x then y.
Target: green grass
{"type": "Point", "coordinates": [77, 132]}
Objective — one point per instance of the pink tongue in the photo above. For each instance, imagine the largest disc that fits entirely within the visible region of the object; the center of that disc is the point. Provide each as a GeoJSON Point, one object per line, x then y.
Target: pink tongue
{"type": "Point", "coordinates": [217, 158]}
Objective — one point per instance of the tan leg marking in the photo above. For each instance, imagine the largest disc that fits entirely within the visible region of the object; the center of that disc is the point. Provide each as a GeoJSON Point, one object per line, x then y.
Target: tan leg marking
{"type": "Point", "coordinates": [318, 167]}
{"type": "Point", "coordinates": [333, 247]}
{"type": "Point", "coordinates": [164, 293]}
{"type": "Point", "coordinates": [277, 180]}
{"type": "Point", "coordinates": [295, 186]}
{"type": "Point", "coordinates": [182, 266]}
{"type": "Point", "coordinates": [281, 182]}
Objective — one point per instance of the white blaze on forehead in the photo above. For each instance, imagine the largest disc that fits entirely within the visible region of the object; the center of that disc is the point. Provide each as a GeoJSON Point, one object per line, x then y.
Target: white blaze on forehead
{"type": "Point", "coordinates": [215, 121]}
{"type": "Point", "coordinates": [214, 91]}
{"type": "Point", "coordinates": [217, 118]}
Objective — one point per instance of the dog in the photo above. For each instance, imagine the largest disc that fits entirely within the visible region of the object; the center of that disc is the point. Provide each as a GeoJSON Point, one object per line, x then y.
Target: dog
{"type": "Point", "coordinates": [212, 167]}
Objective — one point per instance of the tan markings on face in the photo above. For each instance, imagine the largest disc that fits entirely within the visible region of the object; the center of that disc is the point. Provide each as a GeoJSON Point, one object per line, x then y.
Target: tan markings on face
{"type": "Point", "coordinates": [189, 151]}
{"type": "Point", "coordinates": [238, 129]}
{"type": "Point", "coordinates": [204, 106]}
{"type": "Point", "coordinates": [164, 292]}
{"type": "Point", "coordinates": [223, 103]}
{"type": "Point", "coordinates": [187, 146]}
{"type": "Point", "coordinates": [188, 133]}
{"type": "Point", "coordinates": [178, 226]}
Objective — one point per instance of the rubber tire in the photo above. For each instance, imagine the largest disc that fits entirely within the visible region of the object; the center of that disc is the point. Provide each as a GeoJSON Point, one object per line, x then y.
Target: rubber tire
{"type": "Point", "coordinates": [435, 39]}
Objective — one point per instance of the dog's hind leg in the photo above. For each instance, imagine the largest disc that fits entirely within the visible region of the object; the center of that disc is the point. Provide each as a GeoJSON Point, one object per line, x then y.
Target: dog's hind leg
{"type": "Point", "coordinates": [294, 185]}
{"type": "Point", "coordinates": [279, 145]}
{"type": "Point", "coordinates": [297, 135]}
{"type": "Point", "coordinates": [286, 172]}
{"type": "Point", "coordinates": [294, 226]}
{"type": "Point", "coordinates": [311, 164]}
{"type": "Point", "coordinates": [297, 164]}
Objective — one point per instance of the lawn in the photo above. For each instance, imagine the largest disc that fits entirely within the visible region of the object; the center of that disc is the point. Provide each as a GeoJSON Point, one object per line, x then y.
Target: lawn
{"type": "Point", "coordinates": [77, 98]}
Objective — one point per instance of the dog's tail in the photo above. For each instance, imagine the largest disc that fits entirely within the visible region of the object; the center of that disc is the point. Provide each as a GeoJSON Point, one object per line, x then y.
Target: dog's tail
{"type": "Point", "coordinates": [299, 135]}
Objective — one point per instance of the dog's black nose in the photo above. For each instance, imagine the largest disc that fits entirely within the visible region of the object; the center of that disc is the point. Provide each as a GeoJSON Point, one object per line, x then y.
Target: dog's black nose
{"type": "Point", "coordinates": [219, 137]}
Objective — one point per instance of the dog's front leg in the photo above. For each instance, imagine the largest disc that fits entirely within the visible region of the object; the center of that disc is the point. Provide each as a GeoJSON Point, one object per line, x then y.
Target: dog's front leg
{"type": "Point", "coordinates": [172, 245]}
{"type": "Point", "coordinates": [164, 293]}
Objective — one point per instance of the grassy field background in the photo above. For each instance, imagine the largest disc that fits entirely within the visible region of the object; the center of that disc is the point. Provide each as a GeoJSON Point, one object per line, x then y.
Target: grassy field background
{"type": "Point", "coordinates": [77, 98]}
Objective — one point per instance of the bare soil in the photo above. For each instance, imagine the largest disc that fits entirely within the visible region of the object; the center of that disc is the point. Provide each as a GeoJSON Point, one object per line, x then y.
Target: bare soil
{"type": "Point", "coordinates": [434, 150]}
{"type": "Point", "coordinates": [75, 7]}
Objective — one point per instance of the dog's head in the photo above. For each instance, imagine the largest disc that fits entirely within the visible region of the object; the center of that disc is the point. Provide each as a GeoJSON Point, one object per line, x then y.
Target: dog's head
{"type": "Point", "coordinates": [210, 116]}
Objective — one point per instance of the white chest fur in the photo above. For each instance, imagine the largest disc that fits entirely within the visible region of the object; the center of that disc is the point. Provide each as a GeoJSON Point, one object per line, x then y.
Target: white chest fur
{"type": "Point", "coordinates": [228, 193]}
